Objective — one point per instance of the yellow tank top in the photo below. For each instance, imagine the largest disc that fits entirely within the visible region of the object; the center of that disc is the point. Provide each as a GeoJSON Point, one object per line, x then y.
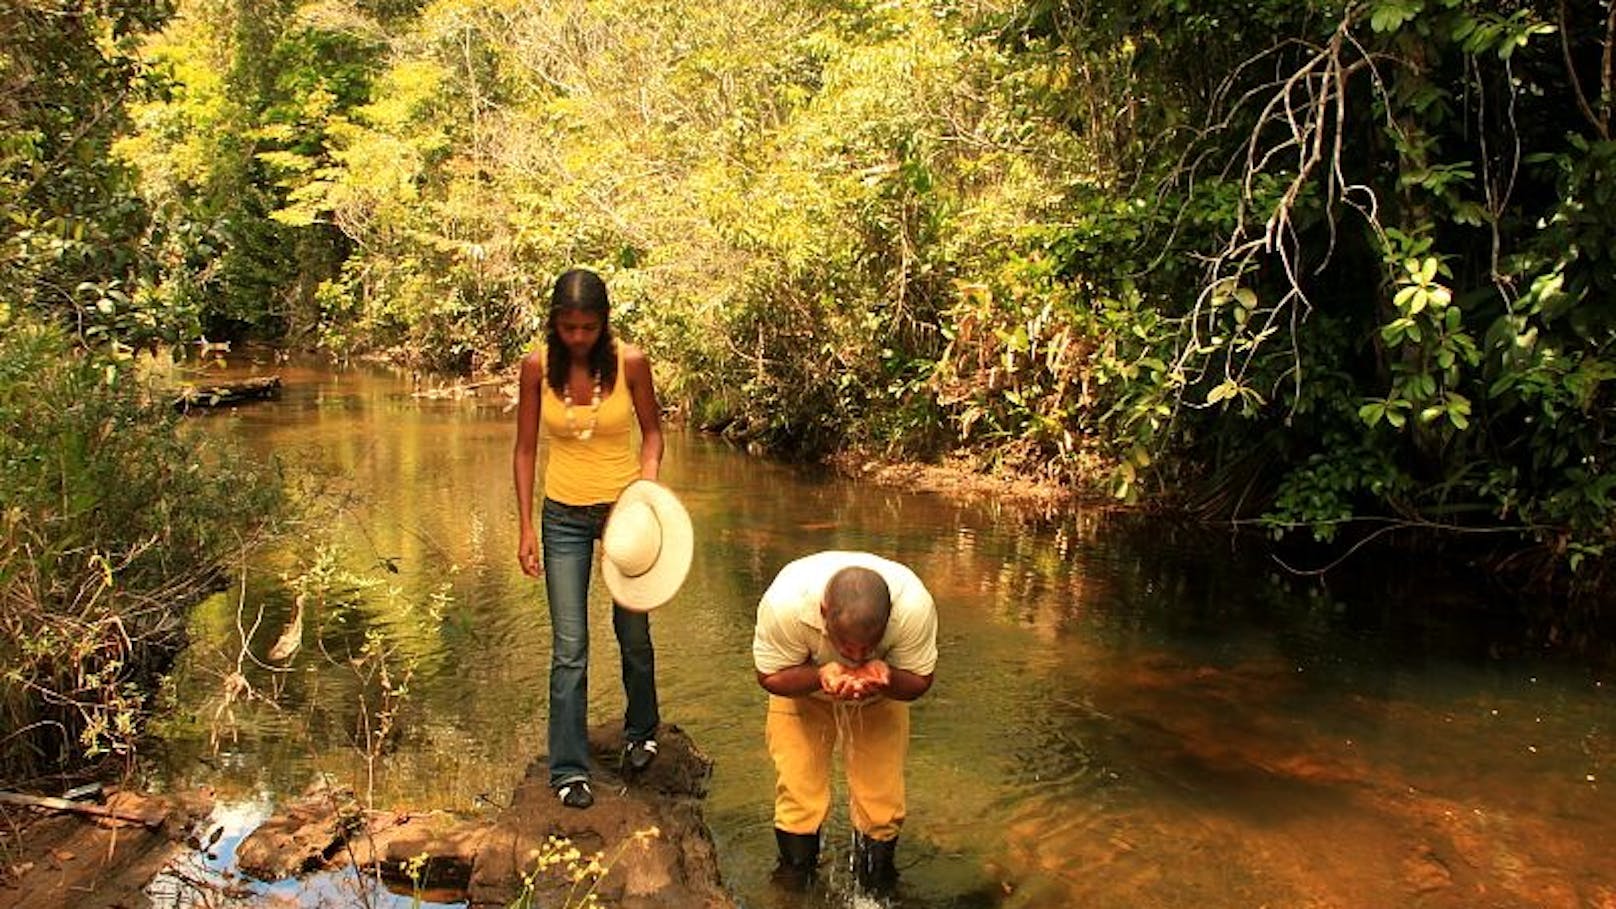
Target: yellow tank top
{"type": "Point", "coordinates": [593, 470]}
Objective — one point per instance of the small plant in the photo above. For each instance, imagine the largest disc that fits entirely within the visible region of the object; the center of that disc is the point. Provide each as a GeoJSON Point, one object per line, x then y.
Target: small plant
{"type": "Point", "coordinates": [560, 858]}
{"type": "Point", "coordinates": [415, 869]}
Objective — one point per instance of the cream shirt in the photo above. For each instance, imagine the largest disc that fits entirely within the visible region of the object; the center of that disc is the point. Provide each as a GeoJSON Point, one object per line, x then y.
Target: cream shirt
{"type": "Point", "coordinates": [790, 630]}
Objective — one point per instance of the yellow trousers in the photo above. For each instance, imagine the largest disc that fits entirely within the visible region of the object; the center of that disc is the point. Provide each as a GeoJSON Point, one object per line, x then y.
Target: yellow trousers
{"type": "Point", "coordinates": [802, 734]}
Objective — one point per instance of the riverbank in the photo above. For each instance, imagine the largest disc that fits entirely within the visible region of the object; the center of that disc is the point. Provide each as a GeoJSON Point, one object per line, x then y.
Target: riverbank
{"type": "Point", "coordinates": [644, 844]}
{"type": "Point", "coordinates": [963, 480]}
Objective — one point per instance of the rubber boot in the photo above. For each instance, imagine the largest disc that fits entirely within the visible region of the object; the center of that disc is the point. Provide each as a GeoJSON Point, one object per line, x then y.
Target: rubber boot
{"type": "Point", "coordinates": [799, 859]}
{"type": "Point", "coordinates": [875, 867]}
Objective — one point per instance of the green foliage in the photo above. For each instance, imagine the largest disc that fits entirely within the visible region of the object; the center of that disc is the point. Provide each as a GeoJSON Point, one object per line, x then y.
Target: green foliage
{"type": "Point", "coordinates": [70, 223]}
{"type": "Point", "coordinates": [115, 522]}
{"type": "Point", "coordinates": [1376, 287]}
{"type": "Point", "coordinates": [234, 122]}
{"type": "Point", "coordinates": [1312, 264]}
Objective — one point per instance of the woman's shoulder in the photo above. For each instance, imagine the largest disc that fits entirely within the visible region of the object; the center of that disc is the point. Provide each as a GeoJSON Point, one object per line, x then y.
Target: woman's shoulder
{"type": "Point", "coordinates": [533, 362]}
{"type": "Point", "coordinates": [630, 354]}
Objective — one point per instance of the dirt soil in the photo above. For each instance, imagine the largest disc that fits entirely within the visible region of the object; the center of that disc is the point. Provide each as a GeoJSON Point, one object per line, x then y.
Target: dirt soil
{"type": "Point", "coordinates": [654, 848]}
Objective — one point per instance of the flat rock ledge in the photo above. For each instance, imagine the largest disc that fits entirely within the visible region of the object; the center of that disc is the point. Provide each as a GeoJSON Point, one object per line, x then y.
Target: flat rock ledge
{"type": "Point", "coordinates": [72, 861]}
{"type": "Point", "coordinates": [654, 848]}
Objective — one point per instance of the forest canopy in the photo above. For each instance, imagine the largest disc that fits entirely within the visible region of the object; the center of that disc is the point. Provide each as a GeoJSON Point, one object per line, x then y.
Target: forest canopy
{"type": "Point", "coordinates": [1329, 268]}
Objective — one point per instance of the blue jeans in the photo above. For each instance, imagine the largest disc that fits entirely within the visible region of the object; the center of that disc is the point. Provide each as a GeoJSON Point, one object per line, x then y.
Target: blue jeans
{"type": "Point", "coordinates": [569, 533]}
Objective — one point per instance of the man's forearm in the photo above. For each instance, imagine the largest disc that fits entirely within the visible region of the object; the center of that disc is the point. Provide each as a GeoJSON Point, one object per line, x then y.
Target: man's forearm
{"type": "Point", "coordinates": [792, 681]}
{"type": "Point", "coordinates": [906, 686]}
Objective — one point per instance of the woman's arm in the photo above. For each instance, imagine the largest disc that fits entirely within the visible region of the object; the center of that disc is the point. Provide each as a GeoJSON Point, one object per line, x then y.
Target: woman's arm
{"type": "Point", "coordinates": [646, 409]}
{"type": "Point", "coordinates": [530, 388]}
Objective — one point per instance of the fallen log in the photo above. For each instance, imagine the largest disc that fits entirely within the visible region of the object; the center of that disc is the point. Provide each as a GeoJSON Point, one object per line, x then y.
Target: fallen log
{"type": "Point", "coordinates": [459, 389]}
{"type": "Point", "coordinates": [52, 803]}
{"type": "Point", "coordinates": [217, 394]}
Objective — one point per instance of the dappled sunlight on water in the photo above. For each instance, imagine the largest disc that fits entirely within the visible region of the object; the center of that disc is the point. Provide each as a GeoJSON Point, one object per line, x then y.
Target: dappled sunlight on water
{"type": "Point", "coordinates": [1128, 713]}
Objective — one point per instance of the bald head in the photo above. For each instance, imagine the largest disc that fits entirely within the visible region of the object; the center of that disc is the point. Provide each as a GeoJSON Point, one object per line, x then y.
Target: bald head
{"type": "Point", "coordinates": [857, 606]}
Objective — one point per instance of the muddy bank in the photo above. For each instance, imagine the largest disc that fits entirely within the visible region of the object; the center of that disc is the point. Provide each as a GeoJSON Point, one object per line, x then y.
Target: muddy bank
{"type": "Point", "coordinates": [644, 844]}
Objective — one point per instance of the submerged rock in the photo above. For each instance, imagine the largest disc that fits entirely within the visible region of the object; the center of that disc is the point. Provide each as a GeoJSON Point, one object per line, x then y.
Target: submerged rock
{"type": "Point", "coordinates": [306, 835]}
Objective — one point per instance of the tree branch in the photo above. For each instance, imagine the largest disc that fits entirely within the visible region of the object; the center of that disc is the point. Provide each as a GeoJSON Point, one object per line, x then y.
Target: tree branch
{"type": "Point", "coordinates": [1608, 73]}
{"type": "Point", "coordinates": [1600, 123]}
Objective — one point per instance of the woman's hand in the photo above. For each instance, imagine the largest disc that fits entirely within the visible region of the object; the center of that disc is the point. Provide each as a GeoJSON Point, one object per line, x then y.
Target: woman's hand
{"type": "Point", "coordinates": [527, 553]}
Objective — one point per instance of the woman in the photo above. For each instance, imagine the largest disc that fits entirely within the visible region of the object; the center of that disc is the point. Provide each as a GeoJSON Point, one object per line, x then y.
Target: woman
{"type": "Point", "coordinates": [586, 390]}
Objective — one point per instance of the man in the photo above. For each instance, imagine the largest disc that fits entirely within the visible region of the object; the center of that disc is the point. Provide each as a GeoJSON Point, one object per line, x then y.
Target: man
{"type": "Point", "coordinates": [853, 636]}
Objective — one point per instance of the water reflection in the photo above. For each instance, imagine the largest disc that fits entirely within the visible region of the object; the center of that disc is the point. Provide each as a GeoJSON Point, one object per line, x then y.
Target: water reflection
{"type": "Point", "coordinates": [1128, 713]}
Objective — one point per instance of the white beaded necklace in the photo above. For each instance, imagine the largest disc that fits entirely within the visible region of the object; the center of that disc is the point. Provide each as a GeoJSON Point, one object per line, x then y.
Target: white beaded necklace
{"type": "Point", "coordinates": [594, 411]}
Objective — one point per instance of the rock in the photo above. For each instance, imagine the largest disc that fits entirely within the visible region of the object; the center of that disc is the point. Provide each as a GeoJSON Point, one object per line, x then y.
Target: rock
{"type": "Point", "coordinates": [445, 848]}
{"type": "Point", "coordinates": [654, 849]}
{"type": "Point", "coordinates": [1425, 872]}
{"type": "Point", "coordinates": [648, 829]}
{"type": "Point", "coordinates": [217, 394]}
{"type": "Point", "coordinates": [305, 836]}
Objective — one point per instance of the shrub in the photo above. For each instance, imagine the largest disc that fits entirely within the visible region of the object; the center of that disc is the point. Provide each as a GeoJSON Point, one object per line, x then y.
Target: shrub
{"type": "Point", "coordinates": [116, 520]}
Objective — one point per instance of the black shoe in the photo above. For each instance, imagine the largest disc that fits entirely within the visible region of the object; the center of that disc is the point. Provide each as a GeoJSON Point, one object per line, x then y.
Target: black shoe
{"type": "Point", "coordinates": [575, 794]}
{"type": "Point", "coordinates": [638, 755]}
{"type": "Point", "coordinates": [874, 864]}
{"type": "Point", "coordinates": [799, 860]}
{"type": "Point", "coordinates": [791, 879]}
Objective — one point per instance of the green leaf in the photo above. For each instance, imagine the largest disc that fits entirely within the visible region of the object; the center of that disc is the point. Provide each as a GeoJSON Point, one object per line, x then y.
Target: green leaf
{"type": "Point", "coordinates": [1225, 390]}
{"type": "Point", "coordinates": [1391, 14]}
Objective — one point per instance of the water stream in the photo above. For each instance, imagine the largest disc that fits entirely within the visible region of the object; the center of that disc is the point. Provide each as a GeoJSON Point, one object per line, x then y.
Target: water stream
{"type": "Point", "coordinates": [1128, 713]}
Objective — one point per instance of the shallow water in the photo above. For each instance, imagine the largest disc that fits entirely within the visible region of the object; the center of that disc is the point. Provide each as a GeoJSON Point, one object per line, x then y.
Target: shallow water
{"type": "Point", "coordinates": [1127, 713]}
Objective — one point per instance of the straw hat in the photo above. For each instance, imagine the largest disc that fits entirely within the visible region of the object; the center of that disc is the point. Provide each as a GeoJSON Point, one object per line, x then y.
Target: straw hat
{"type": "Point", "coordinates": [646, 546]}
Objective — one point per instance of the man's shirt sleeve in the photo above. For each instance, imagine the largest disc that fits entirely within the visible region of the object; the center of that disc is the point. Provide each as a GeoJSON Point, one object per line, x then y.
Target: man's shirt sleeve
{"type": "Point", "coordinates": [776, 641]}
{"type": "Point", "coordinates": [914, 641]}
